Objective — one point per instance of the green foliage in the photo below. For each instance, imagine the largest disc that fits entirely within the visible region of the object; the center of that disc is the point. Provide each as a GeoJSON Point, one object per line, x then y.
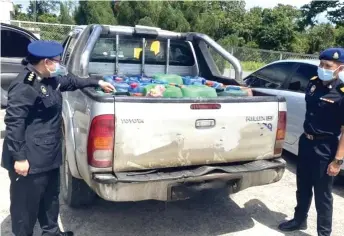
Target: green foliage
{"type": "Point", "coordinates": [18, 13]}
{"type": "Point", "coordinates": [282, 28]}
{"type": "Point", "coordinates": [310, 11]}
{"type": "Point", "coordinates": [94, 12]}
{"type": "Point", "coordinates": [251, 65]}
{"type": "Point", "coordinates": [277, 29]}
{"type": "Point", "coordinates": [65, 16]}
{"type": "Point", "coordinates": [48, 18]}
{"type": "Point", "coordinates": [147, 21]}
{"type": "Point", "coordinates": [321, 37]}
{"type": "Point", "coordinates": [340, 36]}
{"type": "Point", "coordinates": [42, 7]}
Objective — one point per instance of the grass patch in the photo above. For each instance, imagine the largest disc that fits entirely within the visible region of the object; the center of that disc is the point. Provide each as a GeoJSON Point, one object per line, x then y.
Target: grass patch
{"type": "Point", "coordinates": [251, 65]}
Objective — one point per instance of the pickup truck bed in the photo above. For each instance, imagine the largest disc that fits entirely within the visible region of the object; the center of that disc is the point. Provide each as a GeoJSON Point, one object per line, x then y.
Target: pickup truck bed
{"type": "Point", "coordinates": [137, 148]}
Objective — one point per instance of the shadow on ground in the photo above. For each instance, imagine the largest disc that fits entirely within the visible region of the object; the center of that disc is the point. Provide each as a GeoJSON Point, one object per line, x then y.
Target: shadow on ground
{"type": "Point", "coordinates": [200, 216]}
{"type": "Point", "coordinates": [192, 217]}
{"type": "Point", "coordinates": [291, 160]}
{"type": "Point", "coordinates": [262, 214]}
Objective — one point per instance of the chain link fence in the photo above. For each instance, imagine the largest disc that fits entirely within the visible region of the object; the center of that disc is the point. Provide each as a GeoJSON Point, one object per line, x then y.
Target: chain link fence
{"type": "Point", "coordinates": [251, 59]}
{"type": "Point", "coordinates": [45, 31]}
{"type": "Point", "coordinates": [266, 56]}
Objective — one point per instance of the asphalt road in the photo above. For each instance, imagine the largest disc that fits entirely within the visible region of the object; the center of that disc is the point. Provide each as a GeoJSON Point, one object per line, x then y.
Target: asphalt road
{"type": "Point", "coordinates": [255, 211]}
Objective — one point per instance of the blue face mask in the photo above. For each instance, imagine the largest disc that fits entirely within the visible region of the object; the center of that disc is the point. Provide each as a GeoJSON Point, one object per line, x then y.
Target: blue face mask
{"type": "Point", "coordinates": [341, 76]}
{"type": "Point", "coordinates": [325, 75]}
{"type": "Point", "coordinates": [59, 70]}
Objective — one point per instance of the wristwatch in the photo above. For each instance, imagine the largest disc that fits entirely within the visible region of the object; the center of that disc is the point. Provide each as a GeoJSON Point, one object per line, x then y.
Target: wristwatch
{"type": "Point", "coordinates": [338, 161]}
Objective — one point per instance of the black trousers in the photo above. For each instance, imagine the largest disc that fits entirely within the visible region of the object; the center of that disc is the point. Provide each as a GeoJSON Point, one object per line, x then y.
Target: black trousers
{"type": "Point", "coordinates": [35, 197]}
{"type": "Point", "coordinates": [313, 160]}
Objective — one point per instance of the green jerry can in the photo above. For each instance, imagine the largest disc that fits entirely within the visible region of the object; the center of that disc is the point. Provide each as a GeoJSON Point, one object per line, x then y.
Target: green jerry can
{"type": "Point", "coordinates": [200, 91]}
{"type": "Point", "coordinates": [168, 79]}
{"type": "Point", "coordinates": [172, 92]}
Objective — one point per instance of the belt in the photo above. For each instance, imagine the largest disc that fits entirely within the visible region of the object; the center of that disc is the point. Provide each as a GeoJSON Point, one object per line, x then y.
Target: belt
{"type": "Point", "coordinates": [317, 137]}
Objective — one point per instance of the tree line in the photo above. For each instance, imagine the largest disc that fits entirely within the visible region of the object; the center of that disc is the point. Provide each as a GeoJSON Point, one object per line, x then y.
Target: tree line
{"type": "Point", "coordinates": [282, 28]}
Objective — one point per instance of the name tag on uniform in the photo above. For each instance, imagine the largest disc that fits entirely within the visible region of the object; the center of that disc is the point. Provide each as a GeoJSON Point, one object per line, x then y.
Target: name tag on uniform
{"type": "Point", "coordinates": [327, 100]}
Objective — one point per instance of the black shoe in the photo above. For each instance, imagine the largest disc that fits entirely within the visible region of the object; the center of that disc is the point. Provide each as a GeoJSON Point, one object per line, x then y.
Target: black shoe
{"type": "Point", "coordinates": [68, 233]}
{"type": "Point", "coordinates": [292, 225]}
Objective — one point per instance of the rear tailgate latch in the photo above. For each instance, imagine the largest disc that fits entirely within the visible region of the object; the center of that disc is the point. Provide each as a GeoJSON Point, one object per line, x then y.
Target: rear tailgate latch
{"type": "Point", "coordinates": [205, 123]}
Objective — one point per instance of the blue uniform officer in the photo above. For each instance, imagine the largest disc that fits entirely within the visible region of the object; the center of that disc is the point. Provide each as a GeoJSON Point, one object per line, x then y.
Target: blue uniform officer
{"type": "Point", "coordinates": [32, 146]}
{"type": "Point", "coordinates": [320, 152]}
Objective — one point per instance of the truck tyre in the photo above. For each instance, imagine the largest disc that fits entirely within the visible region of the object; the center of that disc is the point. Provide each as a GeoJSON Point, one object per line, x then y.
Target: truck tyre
{"type": "Point", "coordinates": [75, 192]}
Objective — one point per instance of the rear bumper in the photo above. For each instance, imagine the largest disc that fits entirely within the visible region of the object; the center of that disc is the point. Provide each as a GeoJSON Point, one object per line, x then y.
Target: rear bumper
{"type": "Point", "coordinates": [183, 184]}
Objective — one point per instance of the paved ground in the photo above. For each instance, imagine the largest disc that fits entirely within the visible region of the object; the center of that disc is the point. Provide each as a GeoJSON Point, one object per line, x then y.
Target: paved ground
{"type": "Point", "coordinates": [255, 211]}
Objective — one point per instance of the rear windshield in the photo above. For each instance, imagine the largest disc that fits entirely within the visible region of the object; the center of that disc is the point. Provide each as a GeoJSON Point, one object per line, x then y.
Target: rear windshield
{"type": "Point", "coordinates": [130, 51]}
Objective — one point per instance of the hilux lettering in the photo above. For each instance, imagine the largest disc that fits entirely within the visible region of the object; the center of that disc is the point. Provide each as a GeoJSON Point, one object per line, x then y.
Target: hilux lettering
{"type": "Point", "coordinates": [258, 118]}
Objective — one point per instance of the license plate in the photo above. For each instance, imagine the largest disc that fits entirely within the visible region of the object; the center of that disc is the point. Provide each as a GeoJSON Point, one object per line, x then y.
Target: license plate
{"type": "Point", "coordinates": [205, 123]}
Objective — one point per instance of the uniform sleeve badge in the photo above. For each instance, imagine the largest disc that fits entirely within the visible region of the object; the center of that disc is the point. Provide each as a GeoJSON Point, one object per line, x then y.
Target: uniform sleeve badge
{"type": "Point", "coordinates": [313, 88]}
{"type": "Point", "coordinates": [43, 90]}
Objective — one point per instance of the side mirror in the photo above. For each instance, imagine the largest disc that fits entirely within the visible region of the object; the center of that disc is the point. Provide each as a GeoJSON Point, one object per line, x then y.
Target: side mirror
{"type": "Point", "coordinates": [295, 86]}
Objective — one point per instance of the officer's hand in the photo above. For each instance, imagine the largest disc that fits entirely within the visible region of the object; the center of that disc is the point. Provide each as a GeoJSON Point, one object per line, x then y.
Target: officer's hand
{"type": "Point", "coordinates": [22, 167]}
{"type": "Point", "coordinates": [333, 169]}
{"type": "Point", "coordinates": [107, 87]}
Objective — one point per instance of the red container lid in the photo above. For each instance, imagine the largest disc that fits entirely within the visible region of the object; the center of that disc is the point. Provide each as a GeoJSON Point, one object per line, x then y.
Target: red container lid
{"type": "Point", "coordinates": [134, 85]}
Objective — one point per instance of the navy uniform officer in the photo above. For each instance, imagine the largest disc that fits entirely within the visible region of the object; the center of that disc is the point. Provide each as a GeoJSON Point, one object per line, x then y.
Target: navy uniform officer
{"type": "Point", "coordinates": [32, 146]}
{"type": "Point", "coordinates": [320, 153]}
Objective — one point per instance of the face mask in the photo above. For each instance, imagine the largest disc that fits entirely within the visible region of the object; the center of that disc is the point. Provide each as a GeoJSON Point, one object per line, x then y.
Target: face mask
{"type": "Point", "coordinates": [59, 70]}
{"type": "Point", "coordinates": [325, 75]}
{"type": "Point", "coordinates": [341, 76]}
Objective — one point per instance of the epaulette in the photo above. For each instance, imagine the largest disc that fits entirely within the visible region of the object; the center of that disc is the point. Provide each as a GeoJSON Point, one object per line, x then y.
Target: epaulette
{"type": "Point", "coordinates": [314, 78]}
{"type": "Point", "coordinates": [30, 78]}
{"type": "Point", "coordinates": [340, 89]}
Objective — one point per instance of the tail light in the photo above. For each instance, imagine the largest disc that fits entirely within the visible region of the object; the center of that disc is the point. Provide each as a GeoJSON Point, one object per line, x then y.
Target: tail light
{"type": "Point", "coordinates": [101, 141]}
{"type": "Point", "coordinates": [281, 131]}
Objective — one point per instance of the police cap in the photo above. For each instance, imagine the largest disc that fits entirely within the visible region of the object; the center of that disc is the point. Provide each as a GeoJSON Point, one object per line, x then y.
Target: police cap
{"type": "Point", "coordinates": [45, 49]}
{"type": "Point", "coordinates": [333, 54]}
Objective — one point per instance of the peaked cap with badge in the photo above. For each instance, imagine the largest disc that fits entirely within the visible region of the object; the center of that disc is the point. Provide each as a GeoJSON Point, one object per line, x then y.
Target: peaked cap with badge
{"type": "Point", "coordinates": [332, 54]}
{"type": "Point", "coordinates": [45, 49]}
{"type": "Point", "coordinates": [42, 49]}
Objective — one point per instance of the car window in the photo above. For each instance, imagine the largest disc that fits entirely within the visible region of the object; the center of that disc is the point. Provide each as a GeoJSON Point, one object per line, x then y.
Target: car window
{"type": "Point", "coordinates": [13, 44]}
{"type": "Point", "coordinates": [69, 47]}
{"type": "Point", "coordinates": [272, 76]}
{"type": "Point", "coordinates": [300, 79]}
{"type": "Point", "coordinates": [130, 51]}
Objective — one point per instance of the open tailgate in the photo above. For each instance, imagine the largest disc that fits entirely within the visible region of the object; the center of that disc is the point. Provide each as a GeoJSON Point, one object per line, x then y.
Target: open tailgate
{"type": "Point", "coordinates": [160, 133]}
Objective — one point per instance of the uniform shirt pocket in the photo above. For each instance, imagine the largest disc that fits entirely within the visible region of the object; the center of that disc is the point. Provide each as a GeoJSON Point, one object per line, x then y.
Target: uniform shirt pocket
{"type": "Point", "coordinates": [46, 140]}
{"type": "Point", "coordinates": [48, 101]}
{"type": "Point", "coordinates": [45, 151]}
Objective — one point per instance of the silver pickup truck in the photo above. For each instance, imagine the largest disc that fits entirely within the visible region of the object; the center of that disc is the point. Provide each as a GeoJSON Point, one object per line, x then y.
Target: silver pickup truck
{"type": "Point", "coordinates": [125, 148]}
